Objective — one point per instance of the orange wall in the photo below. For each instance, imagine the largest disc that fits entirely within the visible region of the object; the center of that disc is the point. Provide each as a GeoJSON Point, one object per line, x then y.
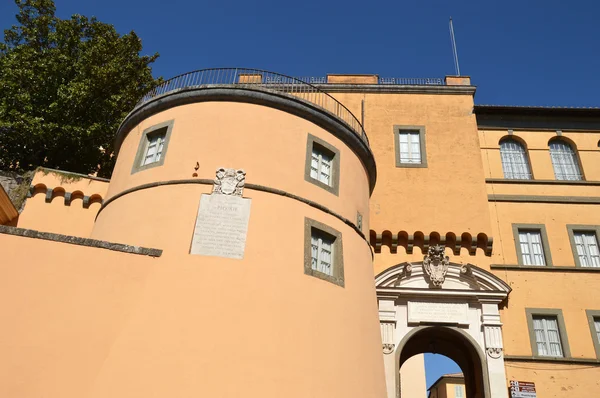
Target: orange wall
{"type": "Point", "coordinates": [56, 216]}
{"type": "Point", "coordinates": [106, 324]}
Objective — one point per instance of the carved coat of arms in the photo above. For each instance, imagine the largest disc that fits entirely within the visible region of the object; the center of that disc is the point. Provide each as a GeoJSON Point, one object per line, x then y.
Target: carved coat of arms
{"type": "Point", "coordinates": [229, 181]}
{"type": "Point", "coordinates": [436, 264]}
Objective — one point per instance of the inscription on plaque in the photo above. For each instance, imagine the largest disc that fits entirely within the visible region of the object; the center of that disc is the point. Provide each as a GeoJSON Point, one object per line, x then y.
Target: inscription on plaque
{"type": "Point", "coordinates": [419, 311]}
{"type": "Point", "coordinates": [221, 226]}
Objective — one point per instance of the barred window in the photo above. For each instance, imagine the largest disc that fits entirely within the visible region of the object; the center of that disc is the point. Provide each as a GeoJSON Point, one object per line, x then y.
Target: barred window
{"type": "Point", "coordinates": [564, 161]}
{"type": "Point", "coordinates": [514, 160]}
{"type": "Point", "coordinates": [547, 336]}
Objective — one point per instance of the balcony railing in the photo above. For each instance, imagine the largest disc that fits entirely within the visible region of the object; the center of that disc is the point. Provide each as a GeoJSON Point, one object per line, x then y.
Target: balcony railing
{"type": "Point", "coordinates": [261, 80]}
{"type": "Point", "coordinates": [412, 81]}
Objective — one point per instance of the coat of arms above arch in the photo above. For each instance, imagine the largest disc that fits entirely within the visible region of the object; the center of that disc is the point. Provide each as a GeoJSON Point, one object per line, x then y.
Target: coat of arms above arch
{"type": "Point", "coordinates": [437, 272]}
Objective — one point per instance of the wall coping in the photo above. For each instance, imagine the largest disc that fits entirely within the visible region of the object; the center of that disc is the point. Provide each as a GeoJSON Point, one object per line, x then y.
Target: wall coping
{"type": "Point", "coordinates": [76, 240]}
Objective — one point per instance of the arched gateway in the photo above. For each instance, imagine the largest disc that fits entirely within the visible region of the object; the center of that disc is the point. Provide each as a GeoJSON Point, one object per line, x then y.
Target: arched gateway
{"type": "Point", "coordinates": [442, 307]}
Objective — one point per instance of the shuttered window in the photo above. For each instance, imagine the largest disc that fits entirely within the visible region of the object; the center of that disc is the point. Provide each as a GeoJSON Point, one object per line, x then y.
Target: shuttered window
{"type": "Point", "coordinates": [410, 147]}
{"type": "Point", "coordinates": [564, 161]}
{"type": "Point", "coordinates": [154, 148]}
{"type": "Point", "coordinates": [321, 165]}
{"type": "Point", "coordinates": [586, 244]}
{"type": "Point", "coordinates": [532, 249]}
{"type": "Point", "coordinates": [514, 160]}
{"type": "Point", "coordinates": [547, 336]}
{"type": "Point", "coordinates": [322, 252]}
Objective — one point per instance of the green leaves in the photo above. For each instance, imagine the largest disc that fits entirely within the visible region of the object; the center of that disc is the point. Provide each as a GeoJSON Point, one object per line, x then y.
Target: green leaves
{"type": "Point", "coordinates": [65, 86]}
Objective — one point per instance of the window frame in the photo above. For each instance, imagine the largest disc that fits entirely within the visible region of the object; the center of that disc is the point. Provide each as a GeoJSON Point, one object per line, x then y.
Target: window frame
{"type": "Point", "coordinates": [337, 277]}
{"type": "Point", "coordinates": [591, 315]}
{"type": "Point", "coordinates": [573, 147]}
{"type": "Point", "coordinates": [562, 330]}
{"type": "Point", "coordinates": [422, 145]}
{"type": "Point", "coordinates": [143, 146]}
{"type": "Point", "coordinates": [523, 145]}
{"type": "Point", "coordinates": [545, 244]}
{"type": "Point", "coordinates": [311, 141]}
{"type": "Point", "coordinates": [572, 228]}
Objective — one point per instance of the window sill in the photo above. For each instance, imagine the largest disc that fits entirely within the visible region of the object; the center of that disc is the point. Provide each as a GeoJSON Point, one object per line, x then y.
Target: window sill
{"type": "Point", "coordinates": [411, 165]}
{"type": "Point", "coordinates": [544, 268]}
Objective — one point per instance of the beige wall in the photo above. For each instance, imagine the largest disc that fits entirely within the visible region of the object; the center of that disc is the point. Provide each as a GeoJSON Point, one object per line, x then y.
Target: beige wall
{"type": "Point", "coordinates": [412, 378]}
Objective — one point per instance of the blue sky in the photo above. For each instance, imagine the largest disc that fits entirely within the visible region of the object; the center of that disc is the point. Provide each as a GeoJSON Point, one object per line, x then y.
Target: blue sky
{"type": "Point", "coordinates": [526, 52]}
{"type": "Point", "coordinates": [533, 52]}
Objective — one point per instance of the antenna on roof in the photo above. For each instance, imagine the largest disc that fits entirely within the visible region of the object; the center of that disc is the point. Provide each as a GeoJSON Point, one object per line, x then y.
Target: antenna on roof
{"type": "Point", "coordinates": [454, 52]}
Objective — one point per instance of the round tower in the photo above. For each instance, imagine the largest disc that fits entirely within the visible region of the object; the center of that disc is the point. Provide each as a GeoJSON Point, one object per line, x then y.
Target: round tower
{"type": "Point", "coordinates": [256, 187]}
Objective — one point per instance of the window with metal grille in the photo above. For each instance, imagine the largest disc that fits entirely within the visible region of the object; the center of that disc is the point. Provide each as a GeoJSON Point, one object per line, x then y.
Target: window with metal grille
{"type": "Point", "coordinates": [547, 336]}
{"type": "Point", "coordinates": [564, 161]}
{"type": "Point", "coordinates": [586, 244]}
{"type": "Point", "coordinates": [322, 246]}
{"type": "Point", "coordinates": [321, 165]}
{"type": "Point", "coordinates": [514, 160]}
{"type": "Point", "coordinates": [410, 146]}
{"type": "Point", "coordinates": [532, 249]}
{"type": "Point", "coordinates": [154, 148]}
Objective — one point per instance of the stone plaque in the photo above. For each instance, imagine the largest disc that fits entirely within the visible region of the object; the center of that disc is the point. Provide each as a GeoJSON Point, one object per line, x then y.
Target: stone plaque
{"type": "Point", "coordinates": [221, 226]}
{"type": "Point", "coordinates": [419, 311]}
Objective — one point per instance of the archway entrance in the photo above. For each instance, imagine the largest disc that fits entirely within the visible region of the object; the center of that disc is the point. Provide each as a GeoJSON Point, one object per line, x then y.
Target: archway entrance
{"type": "Point", "coordinates": [447, 308]}
{"type": "Point", "coordinates": [454, 344]}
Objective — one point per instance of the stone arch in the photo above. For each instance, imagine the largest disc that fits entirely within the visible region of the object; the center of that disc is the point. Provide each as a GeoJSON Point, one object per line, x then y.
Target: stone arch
{"type": "Point", "coordinates": [462, 311]}
{"type": "Point", "coordinates": [453, 343]}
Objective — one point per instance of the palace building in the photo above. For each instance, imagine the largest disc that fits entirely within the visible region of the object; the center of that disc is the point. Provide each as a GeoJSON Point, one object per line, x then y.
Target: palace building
{"type": "Point", "coordinates": [270, 236]}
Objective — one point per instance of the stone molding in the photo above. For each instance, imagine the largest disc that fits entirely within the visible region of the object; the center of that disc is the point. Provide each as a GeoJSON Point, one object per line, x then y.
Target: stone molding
{"type": "Point", "coordinates": [489, 287]}
{"type": "Point", "coordinates": [589, 200]}
{"type": "Point", "coordinates": [541, 182]}
{"type": "Point", "coordinates": [256, 187]}
{"type": "Point", "coordinates": [543, 268]}
{"type": "Point", "coordinates": [75, 240]}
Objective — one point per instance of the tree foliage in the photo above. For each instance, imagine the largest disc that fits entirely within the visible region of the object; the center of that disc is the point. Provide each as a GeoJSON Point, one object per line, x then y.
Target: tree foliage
{"type": "Point", "coordinates": [65, 86]}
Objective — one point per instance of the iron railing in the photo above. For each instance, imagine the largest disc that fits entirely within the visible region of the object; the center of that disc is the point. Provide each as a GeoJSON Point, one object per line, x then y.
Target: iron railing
{"type": "Point", "coordinates": [261, 80]}
{"type": "Point", "coordinates": [412, 81]}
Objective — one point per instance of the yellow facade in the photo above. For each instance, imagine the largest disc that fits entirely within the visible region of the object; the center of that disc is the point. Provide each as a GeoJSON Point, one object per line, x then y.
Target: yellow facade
{"type": "Point", "coordinates": [112, 323]}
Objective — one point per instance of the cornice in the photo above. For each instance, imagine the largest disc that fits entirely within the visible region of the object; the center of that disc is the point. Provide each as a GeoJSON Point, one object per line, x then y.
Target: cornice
{"type": "Point", "coordinates": [586, 200]}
